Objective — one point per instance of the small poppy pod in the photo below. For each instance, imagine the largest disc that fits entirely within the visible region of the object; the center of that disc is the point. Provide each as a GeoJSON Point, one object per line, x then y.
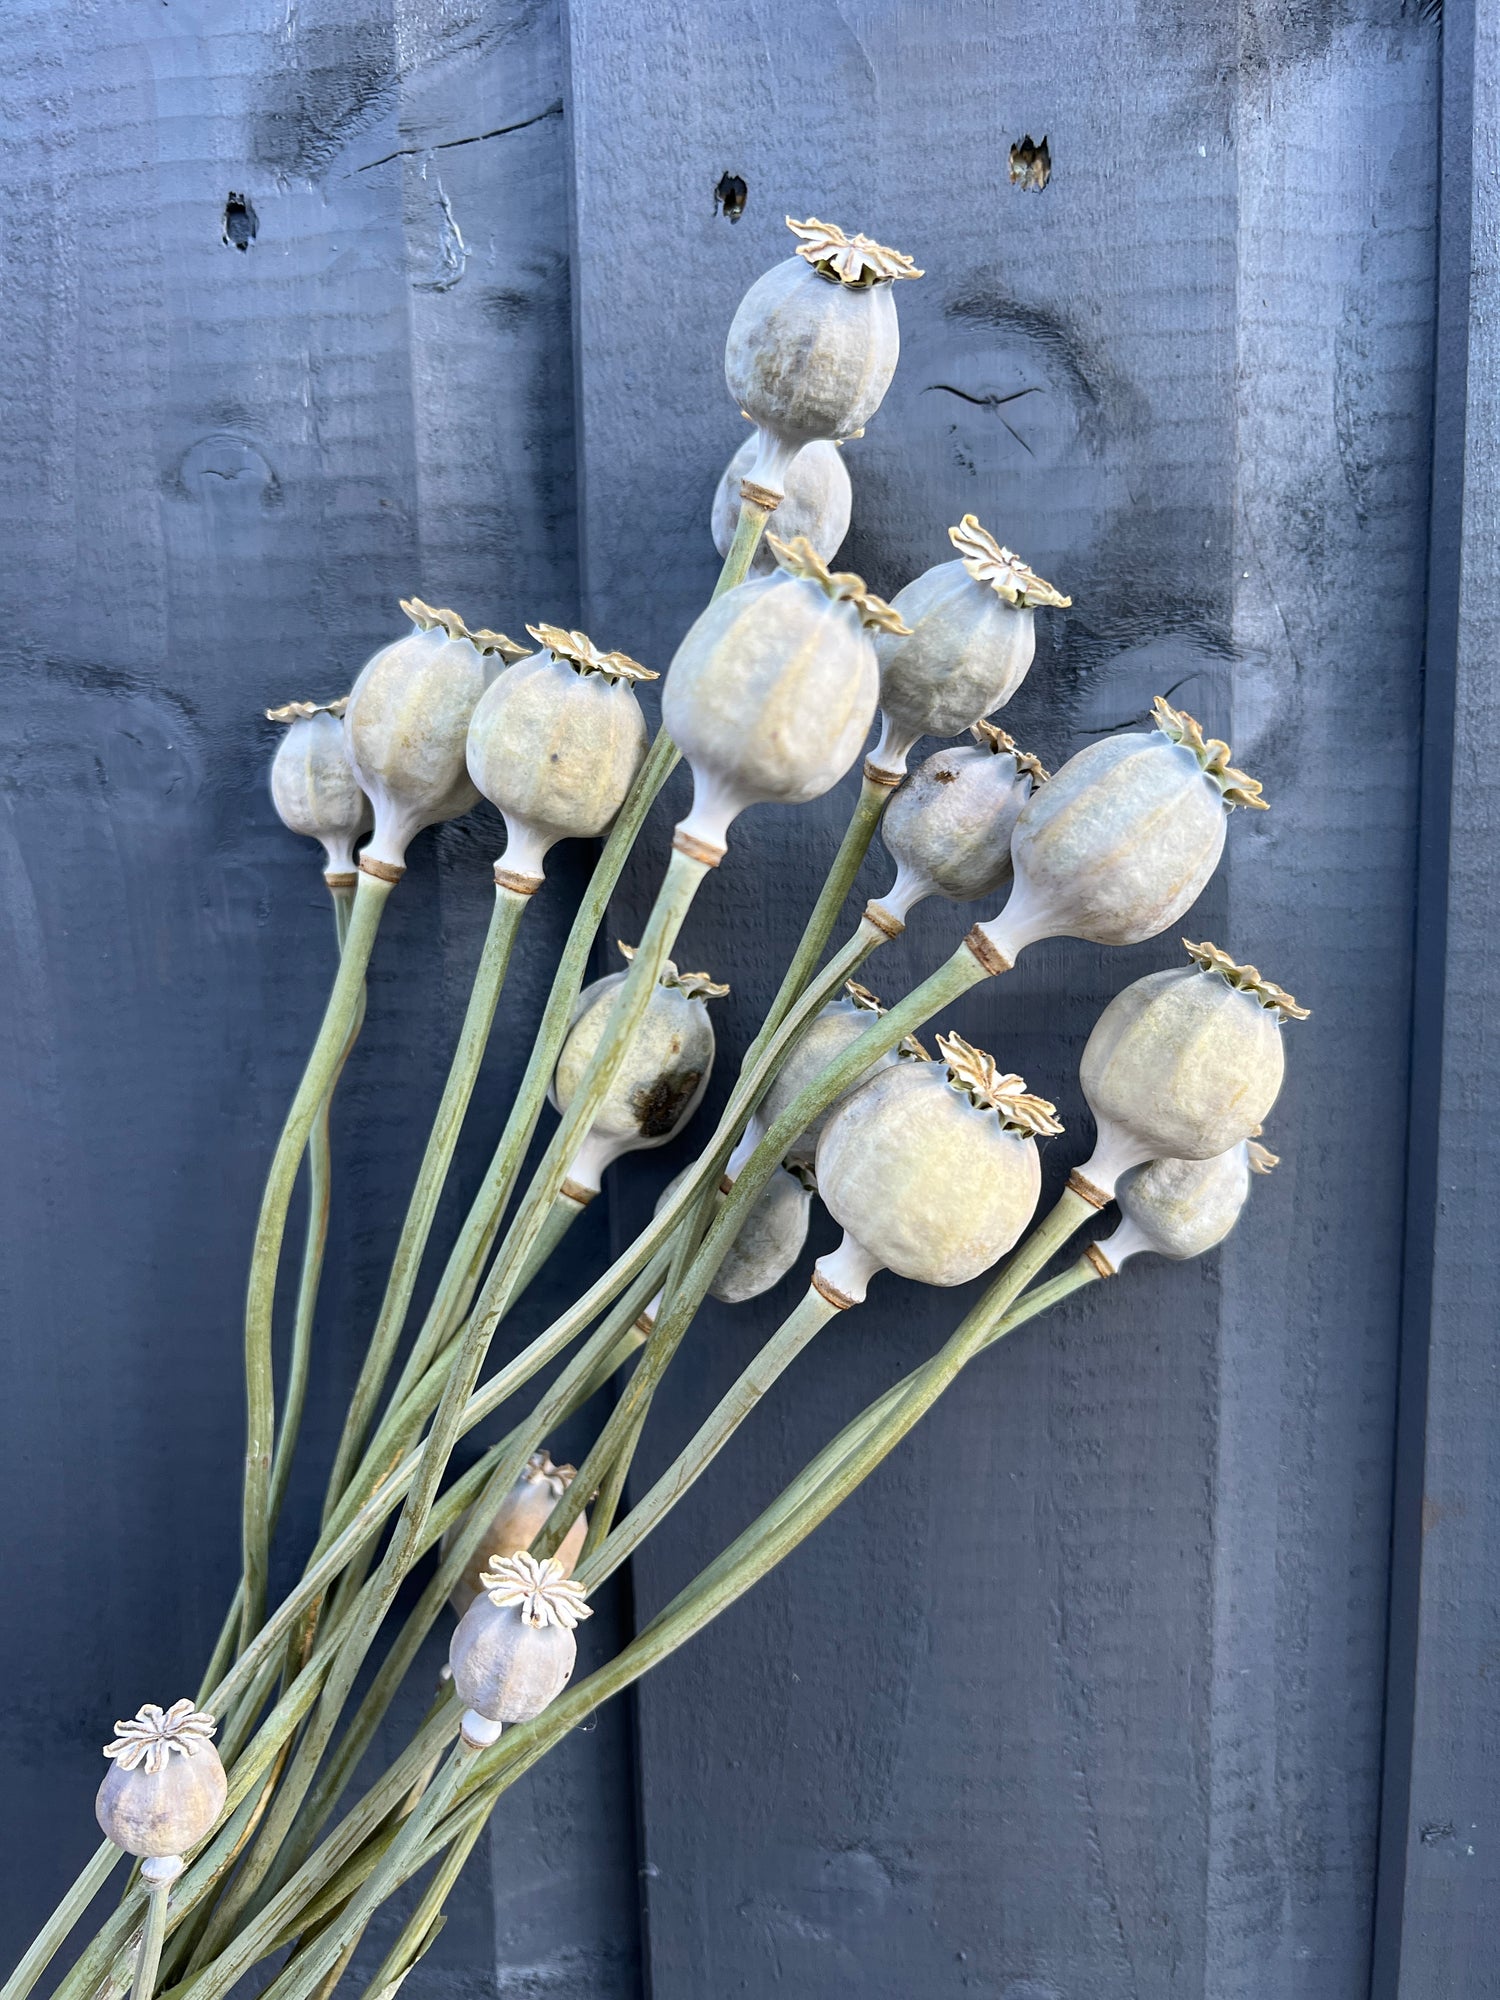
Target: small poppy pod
{"type": "Point", "coordinates": [931, 1169]}
{"type": "Point", "coordinates": [770, 1238]}
{"type": "Point", "coordinates": [1183, 1064]}
{"type": "Point", "coordinates": [313, 786]}
{"type": "Point", "coordinates": [824, 1039]}
{"type": "Point", "coordinates": [661, 1078]}
{"type": "Point", "coordinates": [519, 1519]}
{"type": "Point", "coordinates": [407, 725]}
{"type": "Point", "coordinates": [772, 692]}
{"type": "Point", "coordinates": [166, 1787]}
{"type": "Point", "coordinates": [1119, 844]}
{"type": "Point", "coordinates": [814, 344]}
{"type": "Point", "coordinates": [817, 503]}
{"type": "Point", "coordinates": [514, 1649]}
{"type": "Point", "coordinates": [555, 744]}
{"type": "Point", "coordinates": [1182, 1208]}
{"type": "Point", "coordinates": [948, 828]}
{"type": "Point", "coordinates": [971, 642]}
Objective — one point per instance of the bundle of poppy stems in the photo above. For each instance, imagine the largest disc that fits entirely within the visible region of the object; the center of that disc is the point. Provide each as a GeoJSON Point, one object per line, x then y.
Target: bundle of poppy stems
{"type": "Point", "coordinates": [236, 1802]}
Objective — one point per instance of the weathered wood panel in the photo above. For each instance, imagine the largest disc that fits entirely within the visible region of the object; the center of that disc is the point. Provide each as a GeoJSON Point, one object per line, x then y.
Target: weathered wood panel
{"type": "Point", "coordinates": [1083, 1695]}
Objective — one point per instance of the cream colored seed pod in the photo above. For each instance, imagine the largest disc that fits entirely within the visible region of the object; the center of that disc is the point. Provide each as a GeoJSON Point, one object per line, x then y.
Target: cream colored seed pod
{"type": "Point", "coordinates": [1183, 1064]}
{"type": "Point", "coordinates": [948, 828]}
{"type": "Point", "coordinates": [971, 642]}
{"type": "Point", "coordinates": [1182, 1208]}
{"type": "Point", "coordinates": [771, 694]}
{"type": "Point", "coordinates": [407, 725]}
{"type": "Point", "coordinates": [931, 1169]}
{"type": "Point", "coordinates": [813, 346]}
{"type": "Point", "coordinates": [165, 1788]}
{"type": "Point", "coordinates": [825, 1038]}
{"type": "Point", "coordinates": [661, 1079]}
{"type": "Point", "coordinates": [514, 1649]}
{"type": "Point", "coordinates": [1119, 844]}
{"type": "Point", "coordinates": [313, 786]}
{"type": "Point", "coordinates": [520, 1518]}
{"type": "Point", "coordinates": [555, 745]}
{"type": "Point", "coordinates": [817, 503]}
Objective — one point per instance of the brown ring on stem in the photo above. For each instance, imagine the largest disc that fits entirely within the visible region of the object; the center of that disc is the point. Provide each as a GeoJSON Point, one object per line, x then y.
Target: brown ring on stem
{"type": "Point", "coordinates": [726, 1185]}
{"type": "Point", "coordinates": [834, 1296]}
{"type": "Point", "coordinates": [706, 852]}
{"type": "Point", "coordinates": [1082, 1186]}
{"type": "Point", "coordinates": [1094, 1253]}
{"type": "Point", "coordinates": [571, 1191]}
{"type": "Point", "coordinates": [989, 954]}
{"type": "Point", "coordinates": [512, 879]}
{"type": "Point", "coordinates": [760, 496]}
{"type": "Point", "coordinates": [341, 878]}
{"type": "Point", "coordinates": [879, 775]}
{"type": "Point", "coordinates": [383, 871]}
{"type": "Point", "coordinates": [879, 918]}
{"type": "Point", "coordinates": [646, 1324]}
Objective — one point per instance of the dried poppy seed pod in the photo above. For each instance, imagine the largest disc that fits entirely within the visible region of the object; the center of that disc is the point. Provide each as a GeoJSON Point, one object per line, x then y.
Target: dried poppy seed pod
{"type": "Point", "coordinates": [1181, 1208]}
{"type": "Point", "coordinates": [770, 1239]}
{"type": "Point", "coordinates": [970, 646]}
{"type": "Point", "coordinates": [520, 1518]}
{"type": "Point", "coordinates": [817, 503]}
{"type": "Point", "coordinates": [1182, 1065]}
{"type": "Point", "coordinates": [771, 695]}
{"type": "Point", "coordinates": [555, 745]}
{"type": "Point", "coordinates": [813, 346]}
{"type": "Point", "coordinates": [1119, 844]}
{"type": "Point", "coordinates": [661, 1079]}
{"type": "Point", "coordinates": [313, 786]}
{"type": "Point", "coordinates": [948, 828]}
{"type": "Point", "coordinates": [825, 1037]}
{"type": "Point", "coordinates": [407, 724]}
{"type": "Point", "coordinates": [165, 1787]}
{"type": "Point", "coordinates": [514, 1649]}
{"type": "Point", "coordinates": [931, 1169]}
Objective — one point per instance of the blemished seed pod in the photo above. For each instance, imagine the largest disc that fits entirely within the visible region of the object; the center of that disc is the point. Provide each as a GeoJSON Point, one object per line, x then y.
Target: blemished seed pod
{"type": "Point", "coordinates": [1182, 1208]}
{"type": "Point", "coordinates": [660, 1080]}
{"type": "Point", "coordinates": [1182, 1065]}
{"type": "Point", "coordinates": [165, 1787]}
{"type": "Point", "coordinates": [931, 1169]}
{"type": "Point", "coordinates": [948, 828]}
{"type": "Point", "coordinates": [313, 786]}
{"type": "Point", "coordinates": [407, 727]}
{"type": "Point", "coordinates": [813, 346]}
{"type": "Point", "coordinates": [772, 692]}
{"type": "Point", "coordinates": [514, 1649]}
{"type": "Point", "coordinates": [817, 503]}
{"type": "Point", "coordinates": [1120, 842]}
{"type": "Point", "coordinates": [825, 1038]}
{"type": "Point", "coordinates": [555, 744]}
{"type": "Point", "coordinates": [519, 1519]}
{"type": "Point", "coordinates": [971, 642]}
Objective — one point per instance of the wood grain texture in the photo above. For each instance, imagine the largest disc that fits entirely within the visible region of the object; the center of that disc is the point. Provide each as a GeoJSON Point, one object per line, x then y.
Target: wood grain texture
{"type": "Point", "coordinates": [1083, 1695]}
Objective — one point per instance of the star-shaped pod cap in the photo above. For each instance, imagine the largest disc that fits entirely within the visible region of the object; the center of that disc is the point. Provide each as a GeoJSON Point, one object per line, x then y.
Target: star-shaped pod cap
{"type": "Point", "coordinates": [799, 558]}
{"type": "Point", "coordinates": [994, 739]}
{"type": "Point", "coordinates": [978, 1077]}
{"type": "Point", "coordinates": [987, 561]}
{"type": "Point", "coordinates": [426, 619]}
{"type": "Point", "coordinates": [1246, 979]}
{"type": "Point", "coordinates": [153, 1734]}
{"type": "Point", "coordinates": [856, 261]}
{"type": "Point", "coordinates": [1238, 787]}
{"type": "Point", "coordinates": [304, 711]}
{"type": "Point", "coordinates": [541, 1591]}
{"type": "Point", "coordinates": [580, 652]}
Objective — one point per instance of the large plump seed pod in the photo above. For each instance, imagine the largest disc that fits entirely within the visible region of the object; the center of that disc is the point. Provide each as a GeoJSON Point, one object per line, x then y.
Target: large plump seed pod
{"type": "Point", "coordinates": [313, 786]}
{"type": "Point", "coordinates": [165, 1787]}
{"type": "Point", "coordinates": [1183, 1064]}
{"type": "Point", "coordinates": [1119, 844]}
{"type": "Point", "coordinates": [1182, 1208]}
{"type": "Point", "coordinates": [555, 743]}
{"type": "Point", "coordinates": [817, 503]}
{"type": "Point", "coordinates": [826, 1037]}
{"type": "Point", "coordinates": [514, 1649]}
{"type": "Point", "coordinates": [813, 346]}
{"type": "Point", "coordinates": [932, 1169]}
{"type": "Point", "coordinates": [970, 643]}
{"type": "Point", "coordinates": [519, 1519]}
{"type": "Point", "coordinates": [407, 726]}
{"type": "Point", "coordinates": [948, 828]}
{"type": "Point", "coordinates": [661, 1078]}
{"type": "Point", "coordinates": [771, 694]}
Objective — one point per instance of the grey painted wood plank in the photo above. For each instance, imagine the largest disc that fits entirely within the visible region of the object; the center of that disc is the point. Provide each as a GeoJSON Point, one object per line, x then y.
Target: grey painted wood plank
{"type": "Point", "coordinates": [1083, 1695]}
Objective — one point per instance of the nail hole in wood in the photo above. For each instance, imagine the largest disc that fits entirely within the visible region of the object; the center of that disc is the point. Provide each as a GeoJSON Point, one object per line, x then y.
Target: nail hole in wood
{"type": "Point", "coordinates": [730, 196]}
{"type": "Point", "coordinates": [241, 223]}
{"type": "Point", "coordinates": [1030, 165]}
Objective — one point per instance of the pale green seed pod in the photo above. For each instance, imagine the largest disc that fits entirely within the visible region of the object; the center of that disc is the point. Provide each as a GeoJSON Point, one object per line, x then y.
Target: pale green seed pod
{"type": "Point", "coordinates": [948, 828]}
{"type": "Point", "coordinates": [970, 645]}
{"type": "Point", "coordinates": [1183, 1065]}
{"type": "Point", "coordinates": [165, 1788]}
{"type": "Point", "coordinates": [660, 1080]}
{"type": "Point", "coordinates": [771, 694]}
{"type": "Point", "coordinates": [519, 1519]}
{"type": "Point", "coordinates": [313, 786]}
{"type": "Point", "coordinates": [931, 1169]}
{"type": "Point", "coordinates": [814, 344]}
{"type": "Point", "coordinates": [770, 1239]}
{"type": "Point", "coordinates": [1119, 844]}
{"type": "Point", "coordinates": [555, 744]}
{"type": "Point", "coordinates": [824, 1039]}
{"type": "Point", "coordinates": [1182, 1208]}
{"type": "Point", "coordinates": [514, 1649]}
{"type": "Point", "coordinates": [818, 503]}
{"type": "Point", "coordinates": [407, 725]}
